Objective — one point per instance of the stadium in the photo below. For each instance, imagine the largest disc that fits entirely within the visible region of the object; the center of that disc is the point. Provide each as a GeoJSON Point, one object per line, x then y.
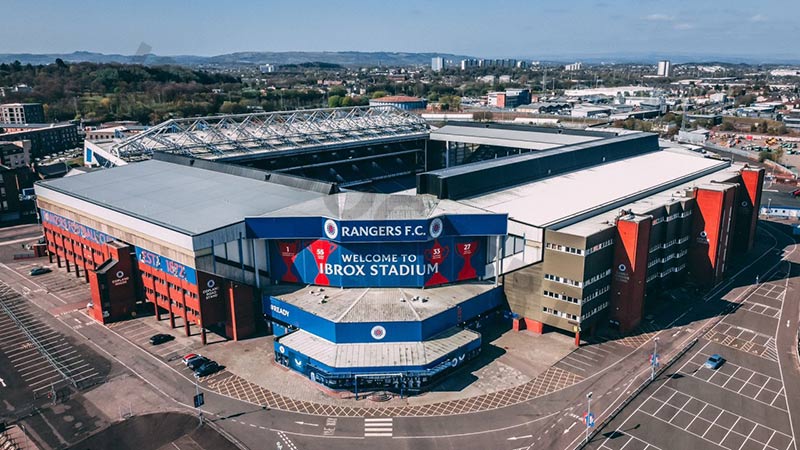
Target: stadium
{"type": "Point", "coordinates": [376, 248]}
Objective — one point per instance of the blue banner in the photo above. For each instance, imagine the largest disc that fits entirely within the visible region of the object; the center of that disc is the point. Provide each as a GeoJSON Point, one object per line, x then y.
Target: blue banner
{"type": "Point", "coordinates": [344, 231]}
{"type": "Point", "coordinates": [90, 234]}
{"type": "Point", "coordinates": [166, 265]}
{"type": "Point", "coordinates": [410, 264]}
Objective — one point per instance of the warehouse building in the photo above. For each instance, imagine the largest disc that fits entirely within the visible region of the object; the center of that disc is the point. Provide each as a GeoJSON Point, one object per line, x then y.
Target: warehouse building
{"type": "Point", "coordinates": [566, 231]}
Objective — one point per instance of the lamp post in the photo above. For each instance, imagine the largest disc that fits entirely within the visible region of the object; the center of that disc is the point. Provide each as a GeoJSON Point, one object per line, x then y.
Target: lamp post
{"type": "Point", "coordinates": [588, 414]}
{"type": "Point", "coordinates": [654, 360]}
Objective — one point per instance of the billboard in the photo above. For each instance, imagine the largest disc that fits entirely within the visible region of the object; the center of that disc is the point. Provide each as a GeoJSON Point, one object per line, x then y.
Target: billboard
{"type": "Point", "coordinates": [389, 264]}
{"type": "Point", "coordinates": [90, 234]}
{"type": "Point", "coordinates": [166, 265]}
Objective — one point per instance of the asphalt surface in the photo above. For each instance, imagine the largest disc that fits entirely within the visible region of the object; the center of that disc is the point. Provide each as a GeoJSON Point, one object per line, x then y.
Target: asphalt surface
{"type": "Point", "coordinates": [612, 366]}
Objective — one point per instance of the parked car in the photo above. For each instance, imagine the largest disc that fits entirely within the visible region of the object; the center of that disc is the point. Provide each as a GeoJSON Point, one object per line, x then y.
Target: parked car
{"type": "Point", "coordinates": [714, 361]}
{"type": "Point", "coordinates": [197, 362]}
{"type": "Point", "coordinates": [189, 356]}
{"type": "Point", "coordinates": [207, 369]}
{"type": "Point", "coordinates": [158, 339]}
{"type": "Point", "coordinates": [40, 271]}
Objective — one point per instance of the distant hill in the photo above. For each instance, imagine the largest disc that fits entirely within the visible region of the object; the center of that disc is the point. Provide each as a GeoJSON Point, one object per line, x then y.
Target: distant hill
{"type": "Point", "coordinates": [340, 58]}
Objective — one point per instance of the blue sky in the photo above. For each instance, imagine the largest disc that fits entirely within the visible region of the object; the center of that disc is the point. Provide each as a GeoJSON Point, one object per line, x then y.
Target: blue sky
{"type": "Point", "coordinates": [486, 28]}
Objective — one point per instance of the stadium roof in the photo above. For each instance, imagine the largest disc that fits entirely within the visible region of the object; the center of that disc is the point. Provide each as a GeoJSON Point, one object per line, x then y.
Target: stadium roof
{"type": "Point", "coordinates": [371, 206]}
{"type": "Point", "coordinates": [561, 200]}
{"type": "Point", "coordinates": [182, 198]}
{"type": "Point", "coordinates": [247, 136]}
{"type": "Point", "coordinates": [505, 137]}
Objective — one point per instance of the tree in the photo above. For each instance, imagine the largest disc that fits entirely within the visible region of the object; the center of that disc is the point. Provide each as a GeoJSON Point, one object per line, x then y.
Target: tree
{"type": "Point", "coordinates": [727, 126]}
{"type": "Point", "coordinates": [334, 101]}
{"type": "Point", "coordinates": [763, 127]}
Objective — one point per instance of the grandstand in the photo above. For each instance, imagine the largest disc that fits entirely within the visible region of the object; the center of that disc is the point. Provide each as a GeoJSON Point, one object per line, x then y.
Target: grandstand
{"type": "Point", "coordinates": [348, 146]}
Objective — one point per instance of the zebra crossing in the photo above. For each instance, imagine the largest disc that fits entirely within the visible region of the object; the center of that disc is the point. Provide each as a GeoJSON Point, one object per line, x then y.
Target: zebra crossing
{"type": "Point", "coordinates": [378, 427]}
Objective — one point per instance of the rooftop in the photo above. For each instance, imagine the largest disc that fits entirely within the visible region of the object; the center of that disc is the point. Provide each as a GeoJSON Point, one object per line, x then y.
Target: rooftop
{"type": "Point", "coordinates": [567, 197]}
{"type": "Point", "coordinates": [379, 354]}
{"type": "Point", "coordinates": [170, 195]}
{"type": "Point", "coordinates": [397, 99]}
{"type": "Point", "coordinates": [380, 304]}
{"type": "Point", "coordinates": [371, 206]}
{"type": "Point", "coordinates": [602, 221]}
{"type": "Point", "coordinates": [532, 138]}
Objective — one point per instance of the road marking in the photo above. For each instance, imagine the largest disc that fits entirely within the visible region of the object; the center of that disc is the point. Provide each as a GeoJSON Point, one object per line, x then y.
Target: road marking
{"type": "Point", "coordinates": [514, 438]}
{"type": "Point", "coordinates": [378, 426]}
{"type": "Point", "coordinates": [570, 427]}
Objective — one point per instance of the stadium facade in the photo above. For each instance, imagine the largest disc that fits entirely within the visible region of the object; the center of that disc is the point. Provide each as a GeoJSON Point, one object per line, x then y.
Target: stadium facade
{"type": "Point", "coordinates": [536, 228]}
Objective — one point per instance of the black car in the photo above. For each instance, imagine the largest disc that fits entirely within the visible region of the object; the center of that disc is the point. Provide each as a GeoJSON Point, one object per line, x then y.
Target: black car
{"type": "Point", "coordinates": [197, 362]}
{"type": "Point", "coordinates": [207, 369]}
{"type": "Point", "coordinates": [161, 338]}
{"type": "Point", "coordinates": [40, 271]}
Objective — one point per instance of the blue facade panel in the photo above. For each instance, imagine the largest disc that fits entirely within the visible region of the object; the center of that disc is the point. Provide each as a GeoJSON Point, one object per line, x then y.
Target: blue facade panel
{"type": "Point", "coordinates": [419, 230]}
{"type": "Point", "coordinates": [166, 265]}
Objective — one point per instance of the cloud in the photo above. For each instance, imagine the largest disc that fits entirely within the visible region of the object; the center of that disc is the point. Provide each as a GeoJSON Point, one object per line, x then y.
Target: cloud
{"type": "Point", "coordinates": [759, 18]}
{"type": "Point", "coordinates": [683, 26]}
{"type": "Point", "coordinates": [659, 18]}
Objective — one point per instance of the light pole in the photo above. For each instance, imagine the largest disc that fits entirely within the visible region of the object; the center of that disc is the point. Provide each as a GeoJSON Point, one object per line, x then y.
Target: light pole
{"type": "Point", "coordinates": [654, 360]}
{"type": "Point", "coordinates": [588, 414]}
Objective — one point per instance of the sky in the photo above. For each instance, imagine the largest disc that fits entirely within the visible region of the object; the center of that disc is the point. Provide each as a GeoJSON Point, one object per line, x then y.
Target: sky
{"type": "Point", "coordinates": [485, 28]}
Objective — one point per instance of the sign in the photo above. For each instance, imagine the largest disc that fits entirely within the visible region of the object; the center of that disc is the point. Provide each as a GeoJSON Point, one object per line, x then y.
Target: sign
{"type": "Point", "coordinates": [378, 332]}
{"type": "Point", "coordinates": [384, 231]}
{"type": "Point", "coordinates": [411, 230]}
{"type": "Point", "coordinates": [588, 419]}
{"type": "Point", "coordinates": [166, 265]}
{"type": "Point", "coordinates": [69, 225]}
{"type": "Point", "coordinates": [120, 279]}
{"type": "Point", "coordinates": [199, 400]}
{"type": "Point", "coordinates": [654, 359]}
{"type": "Point", "coordinates": [416, 264]}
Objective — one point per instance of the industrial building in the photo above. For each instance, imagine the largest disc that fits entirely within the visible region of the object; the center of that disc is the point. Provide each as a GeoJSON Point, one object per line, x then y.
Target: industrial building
{"type": "Point", "coordinates": [537, 228]}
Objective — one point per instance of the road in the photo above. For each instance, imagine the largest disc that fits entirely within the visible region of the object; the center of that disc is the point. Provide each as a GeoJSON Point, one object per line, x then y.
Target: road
{"type": "Point", "coordinates": [547, 421]}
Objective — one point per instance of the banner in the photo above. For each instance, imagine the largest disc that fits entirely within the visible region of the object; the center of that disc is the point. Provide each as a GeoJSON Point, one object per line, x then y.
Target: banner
{"type": "Point", "coordinates": [408, 264]}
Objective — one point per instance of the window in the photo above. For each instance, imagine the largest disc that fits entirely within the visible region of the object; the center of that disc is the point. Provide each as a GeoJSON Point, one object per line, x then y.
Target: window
{"type": "Point", "coordinates": [563, 280]}
{"type": "Point", "coordinates": [564, 248]}
{"type": "Point", "coordinates": [513, 245]}
{"type": "Point", "coordinates": [597, 277]}
{"type": "Point", "coordinates": [600, 246]}
{"type": "Point", "coordinates": [594, 310]}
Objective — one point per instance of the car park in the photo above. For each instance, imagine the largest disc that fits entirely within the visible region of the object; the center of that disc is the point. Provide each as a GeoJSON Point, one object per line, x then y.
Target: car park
{"type": "Point", "coordinates": [714, 361]}
{"type": "Point", "coordinates": [207, 369]}
{"type": "Point", "coordinates": [40, 271]}
{"type": "Point", "coordinates": [160, 338]}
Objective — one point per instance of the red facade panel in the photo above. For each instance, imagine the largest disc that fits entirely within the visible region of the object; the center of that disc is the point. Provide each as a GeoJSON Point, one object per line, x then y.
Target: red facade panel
{"type": "Point", "coordinates": [631, 250]}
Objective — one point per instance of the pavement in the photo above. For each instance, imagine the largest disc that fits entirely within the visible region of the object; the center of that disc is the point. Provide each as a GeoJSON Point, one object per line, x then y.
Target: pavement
{"type": "Point", "coordinates": [543, 412]}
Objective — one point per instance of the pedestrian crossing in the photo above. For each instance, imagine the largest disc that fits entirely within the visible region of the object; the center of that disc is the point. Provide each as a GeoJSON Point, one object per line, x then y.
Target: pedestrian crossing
{"type": "Point", "coordinates": [378, 427]}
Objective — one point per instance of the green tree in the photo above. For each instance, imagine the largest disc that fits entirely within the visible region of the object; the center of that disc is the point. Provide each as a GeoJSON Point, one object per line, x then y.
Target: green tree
{"type": "Point", "coordinates": [334, 101]}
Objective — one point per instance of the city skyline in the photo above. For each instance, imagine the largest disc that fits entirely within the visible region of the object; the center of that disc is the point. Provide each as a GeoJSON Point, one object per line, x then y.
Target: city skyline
{"type": "Point", "coordinates": [590, 28]}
